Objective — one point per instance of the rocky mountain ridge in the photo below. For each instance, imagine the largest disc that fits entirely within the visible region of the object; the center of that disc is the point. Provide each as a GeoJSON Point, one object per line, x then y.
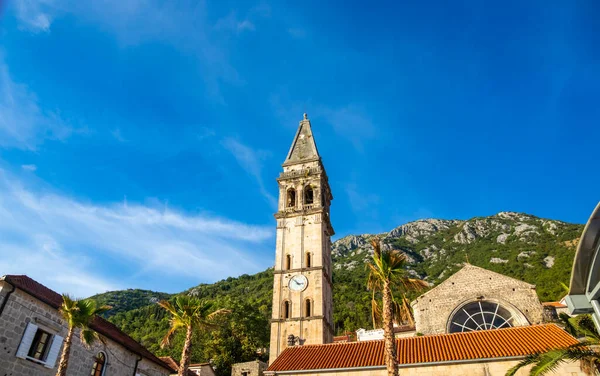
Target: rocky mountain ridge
{"type": "Point", "coordinates": [433, 241]}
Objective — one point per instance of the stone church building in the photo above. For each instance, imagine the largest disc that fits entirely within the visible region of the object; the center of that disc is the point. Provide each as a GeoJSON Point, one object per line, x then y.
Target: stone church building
{"type": "Point", "coordinates": [477, 322]}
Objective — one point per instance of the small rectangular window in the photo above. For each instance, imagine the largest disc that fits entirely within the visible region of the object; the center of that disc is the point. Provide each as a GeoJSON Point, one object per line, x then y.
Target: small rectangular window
{"type": "Point", "coordinates": [245, 373]}
{"type": "Point", "coordinates": [39, 346]}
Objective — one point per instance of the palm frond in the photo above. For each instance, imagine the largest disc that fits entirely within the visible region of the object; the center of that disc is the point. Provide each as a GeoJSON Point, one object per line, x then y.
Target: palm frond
{"type": "Point", "coordinates": [529, 359]}
{"type": "Point", "coordinates": [190, 312]}
{"type": "Point", "coordinates": [219, 312]}
{"type": "Point", "coordinates": [88, 337]}
{"type": "Point", "coordinates": [548, 362]}
{"type": "Point", "coordinates": [168, 306]}
{"type": "Point", "coordinates": [376, 313]}
{"type": "Point", "coordinates": [569, 327]}
{"type": "Point", "coordinates": [166, 341]}
{"type": "Point", "coordinates": [580, 351]}
{"type": "Point", "coordinates": [586, 327]}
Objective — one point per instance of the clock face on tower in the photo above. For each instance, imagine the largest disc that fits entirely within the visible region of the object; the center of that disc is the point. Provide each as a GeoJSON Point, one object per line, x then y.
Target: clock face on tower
{"type": "Point", "coordinates": [298, 283]}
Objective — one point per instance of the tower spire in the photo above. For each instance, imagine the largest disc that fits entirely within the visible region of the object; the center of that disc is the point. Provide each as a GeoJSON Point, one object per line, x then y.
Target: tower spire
{"type": "Point", "coordinates": [304, 148]}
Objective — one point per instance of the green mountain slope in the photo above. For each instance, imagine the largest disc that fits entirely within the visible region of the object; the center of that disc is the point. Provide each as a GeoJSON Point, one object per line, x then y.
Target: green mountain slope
{"type": "Point", "coordinates": [127, 300]}
{"type": "Point", "coordinates": [532, 249]}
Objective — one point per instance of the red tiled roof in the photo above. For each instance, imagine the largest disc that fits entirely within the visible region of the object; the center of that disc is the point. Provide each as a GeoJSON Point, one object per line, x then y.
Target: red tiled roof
{"type": "Point", "coordinates": [484, 344]}
{"type": "Point", "coordinates": [99, 324]}
{"type": "Point", "coordinates": [169, 361]}
{"type": "Point", "coordinates": [554, 304]}
{"type": "Point", "coordinates": [345, 338]}
{"type": "Point", "coordinates": [173, 364]}
{"type": "Point", "coordinates": [404, 328]}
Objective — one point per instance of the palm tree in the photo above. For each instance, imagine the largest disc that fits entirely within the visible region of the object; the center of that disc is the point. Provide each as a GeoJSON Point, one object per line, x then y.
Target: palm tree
{"type": "Point", "coordinates": [386, 272]}
{"type": "Point", "coordinates": [586, 351]}
{"type": "Point", "coordinates": [79, 314]}
{"type": "Point", "coordinates": [188, 313]}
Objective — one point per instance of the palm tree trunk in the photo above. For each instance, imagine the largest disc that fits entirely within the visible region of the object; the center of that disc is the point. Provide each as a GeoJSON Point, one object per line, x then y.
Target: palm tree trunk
{"type": "Point", "coordinates": [185, 354]}
{"type": "Point", "coordinates": [64, 357]}
{"type": "Point", "coordinates": [391, 361]}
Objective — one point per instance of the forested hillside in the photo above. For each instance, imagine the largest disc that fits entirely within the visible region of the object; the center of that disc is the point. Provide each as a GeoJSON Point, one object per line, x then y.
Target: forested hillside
{"type": "Point", "coordinates": [536, 250]}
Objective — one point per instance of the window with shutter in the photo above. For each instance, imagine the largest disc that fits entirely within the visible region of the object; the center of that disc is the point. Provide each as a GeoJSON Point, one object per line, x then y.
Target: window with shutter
{"type": "Point", "coordinates": [27, 340]}
{"type": "Point", "coordinates": [54, 351]}
{"type": "Point", "coordinates": [40, 346]}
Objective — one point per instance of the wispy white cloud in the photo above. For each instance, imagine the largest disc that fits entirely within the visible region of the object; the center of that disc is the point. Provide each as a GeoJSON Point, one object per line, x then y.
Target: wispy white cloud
{"type": "Point", "coordinates": [232, 23]}
{"type": "Point", "coordinates": [297, 33]}
{"type": "Point", "coordinates": [62, 242]}
{"type": "Point", "coordinates": [251, 161]}
{"type": "Point", "coordinates": [116, 133]}
{"type": "Point", "coordinates": [352, 123]}
{"type": "Point", "coordinates": [23, 123]}
{"type": "Point", "coordinates": [29, 167]}
{"type": "Point", "coordinates": [205, 132]}
{"type": "Point", "coordinates": [362, 203]}
{"type": "Point", "coordinates": [289, 111]}
{"type": "Point", "coordinates": [34, 15]}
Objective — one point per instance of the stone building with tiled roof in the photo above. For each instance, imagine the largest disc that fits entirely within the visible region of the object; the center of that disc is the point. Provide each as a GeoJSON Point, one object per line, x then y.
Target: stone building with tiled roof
{"type": "Point", "coordinates": [32, 333]}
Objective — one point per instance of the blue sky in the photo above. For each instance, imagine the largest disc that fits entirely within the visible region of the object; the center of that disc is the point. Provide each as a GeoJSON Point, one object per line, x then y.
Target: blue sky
{"type": "Point", "coordinates": [140, 140]}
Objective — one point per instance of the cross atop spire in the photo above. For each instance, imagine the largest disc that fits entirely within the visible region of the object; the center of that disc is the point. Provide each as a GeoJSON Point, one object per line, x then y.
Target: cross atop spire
{"type": "Point", "coordinates": [304, 148]}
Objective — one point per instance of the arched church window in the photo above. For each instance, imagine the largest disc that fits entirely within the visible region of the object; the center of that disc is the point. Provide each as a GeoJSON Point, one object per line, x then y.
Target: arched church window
{"type": "Point", "coordinates": [288, 262]}
{"type": "Point", "coordinates": [308, 260]}
{"type": "Point", "coordinates": [287, 309]}
{"type": "Point", "coordinates": [99, 363]}
{"type": "Point", "coordinates": [307, 308]}
{"type": "Point", "coordinates": [291, 198]}
{"type": "Point", "coordinates": [308, 195]}
{"type": "Point", "coordinates": [481, 315]}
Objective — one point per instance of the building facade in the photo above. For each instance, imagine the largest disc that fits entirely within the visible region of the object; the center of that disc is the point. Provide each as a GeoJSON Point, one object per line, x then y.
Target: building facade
{"type": "Point", "coordinates": [32, 334]}
{"type": "Point", "coordinates": [476, 299]}
{"type": "Point", "coordinates": [584, 289]}
{"type": "Point", "coordinates": [302, 286]}
{"type": "Point", "coordinates": [253, 368]}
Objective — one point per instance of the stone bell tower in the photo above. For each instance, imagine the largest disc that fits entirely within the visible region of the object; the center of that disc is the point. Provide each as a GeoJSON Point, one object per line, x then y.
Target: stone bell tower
{"type": "Point", "coordinates": [302, 291]}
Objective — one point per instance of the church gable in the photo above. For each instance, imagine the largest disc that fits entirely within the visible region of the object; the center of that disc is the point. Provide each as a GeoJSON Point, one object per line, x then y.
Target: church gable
{"type": "Point", "coordinates": [471, 274]}
{"type": "Point", "coordinates": [473, 289]}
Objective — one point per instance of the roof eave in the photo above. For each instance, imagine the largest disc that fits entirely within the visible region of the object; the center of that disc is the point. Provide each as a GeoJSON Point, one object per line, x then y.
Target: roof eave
{"type": "Point", "coordinates": [405, 365]}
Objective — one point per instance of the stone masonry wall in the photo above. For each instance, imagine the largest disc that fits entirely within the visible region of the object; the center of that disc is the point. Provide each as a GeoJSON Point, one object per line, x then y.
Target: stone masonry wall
{"type": "Point", "coordinates": [433, 309]}
{"type": "Point", "coordinates": [23, 308]}
{"type": "Point", "coordinates": [254, 368]}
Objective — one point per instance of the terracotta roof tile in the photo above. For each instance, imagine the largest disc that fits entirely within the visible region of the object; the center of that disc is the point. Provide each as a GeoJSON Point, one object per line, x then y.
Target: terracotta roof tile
{"type": "Point", "coordinates": [169, 361]}
{"type": "Point", "coordinates": [100, 325]}
{"type": "Point", "coordinates": [554, 304]}
{"type": "Point", "coordinates": [175, 366]}
{"type": "Point", "coordinates": [499, 343]}
{"type": "Point", "coordinates": [404, 328]}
